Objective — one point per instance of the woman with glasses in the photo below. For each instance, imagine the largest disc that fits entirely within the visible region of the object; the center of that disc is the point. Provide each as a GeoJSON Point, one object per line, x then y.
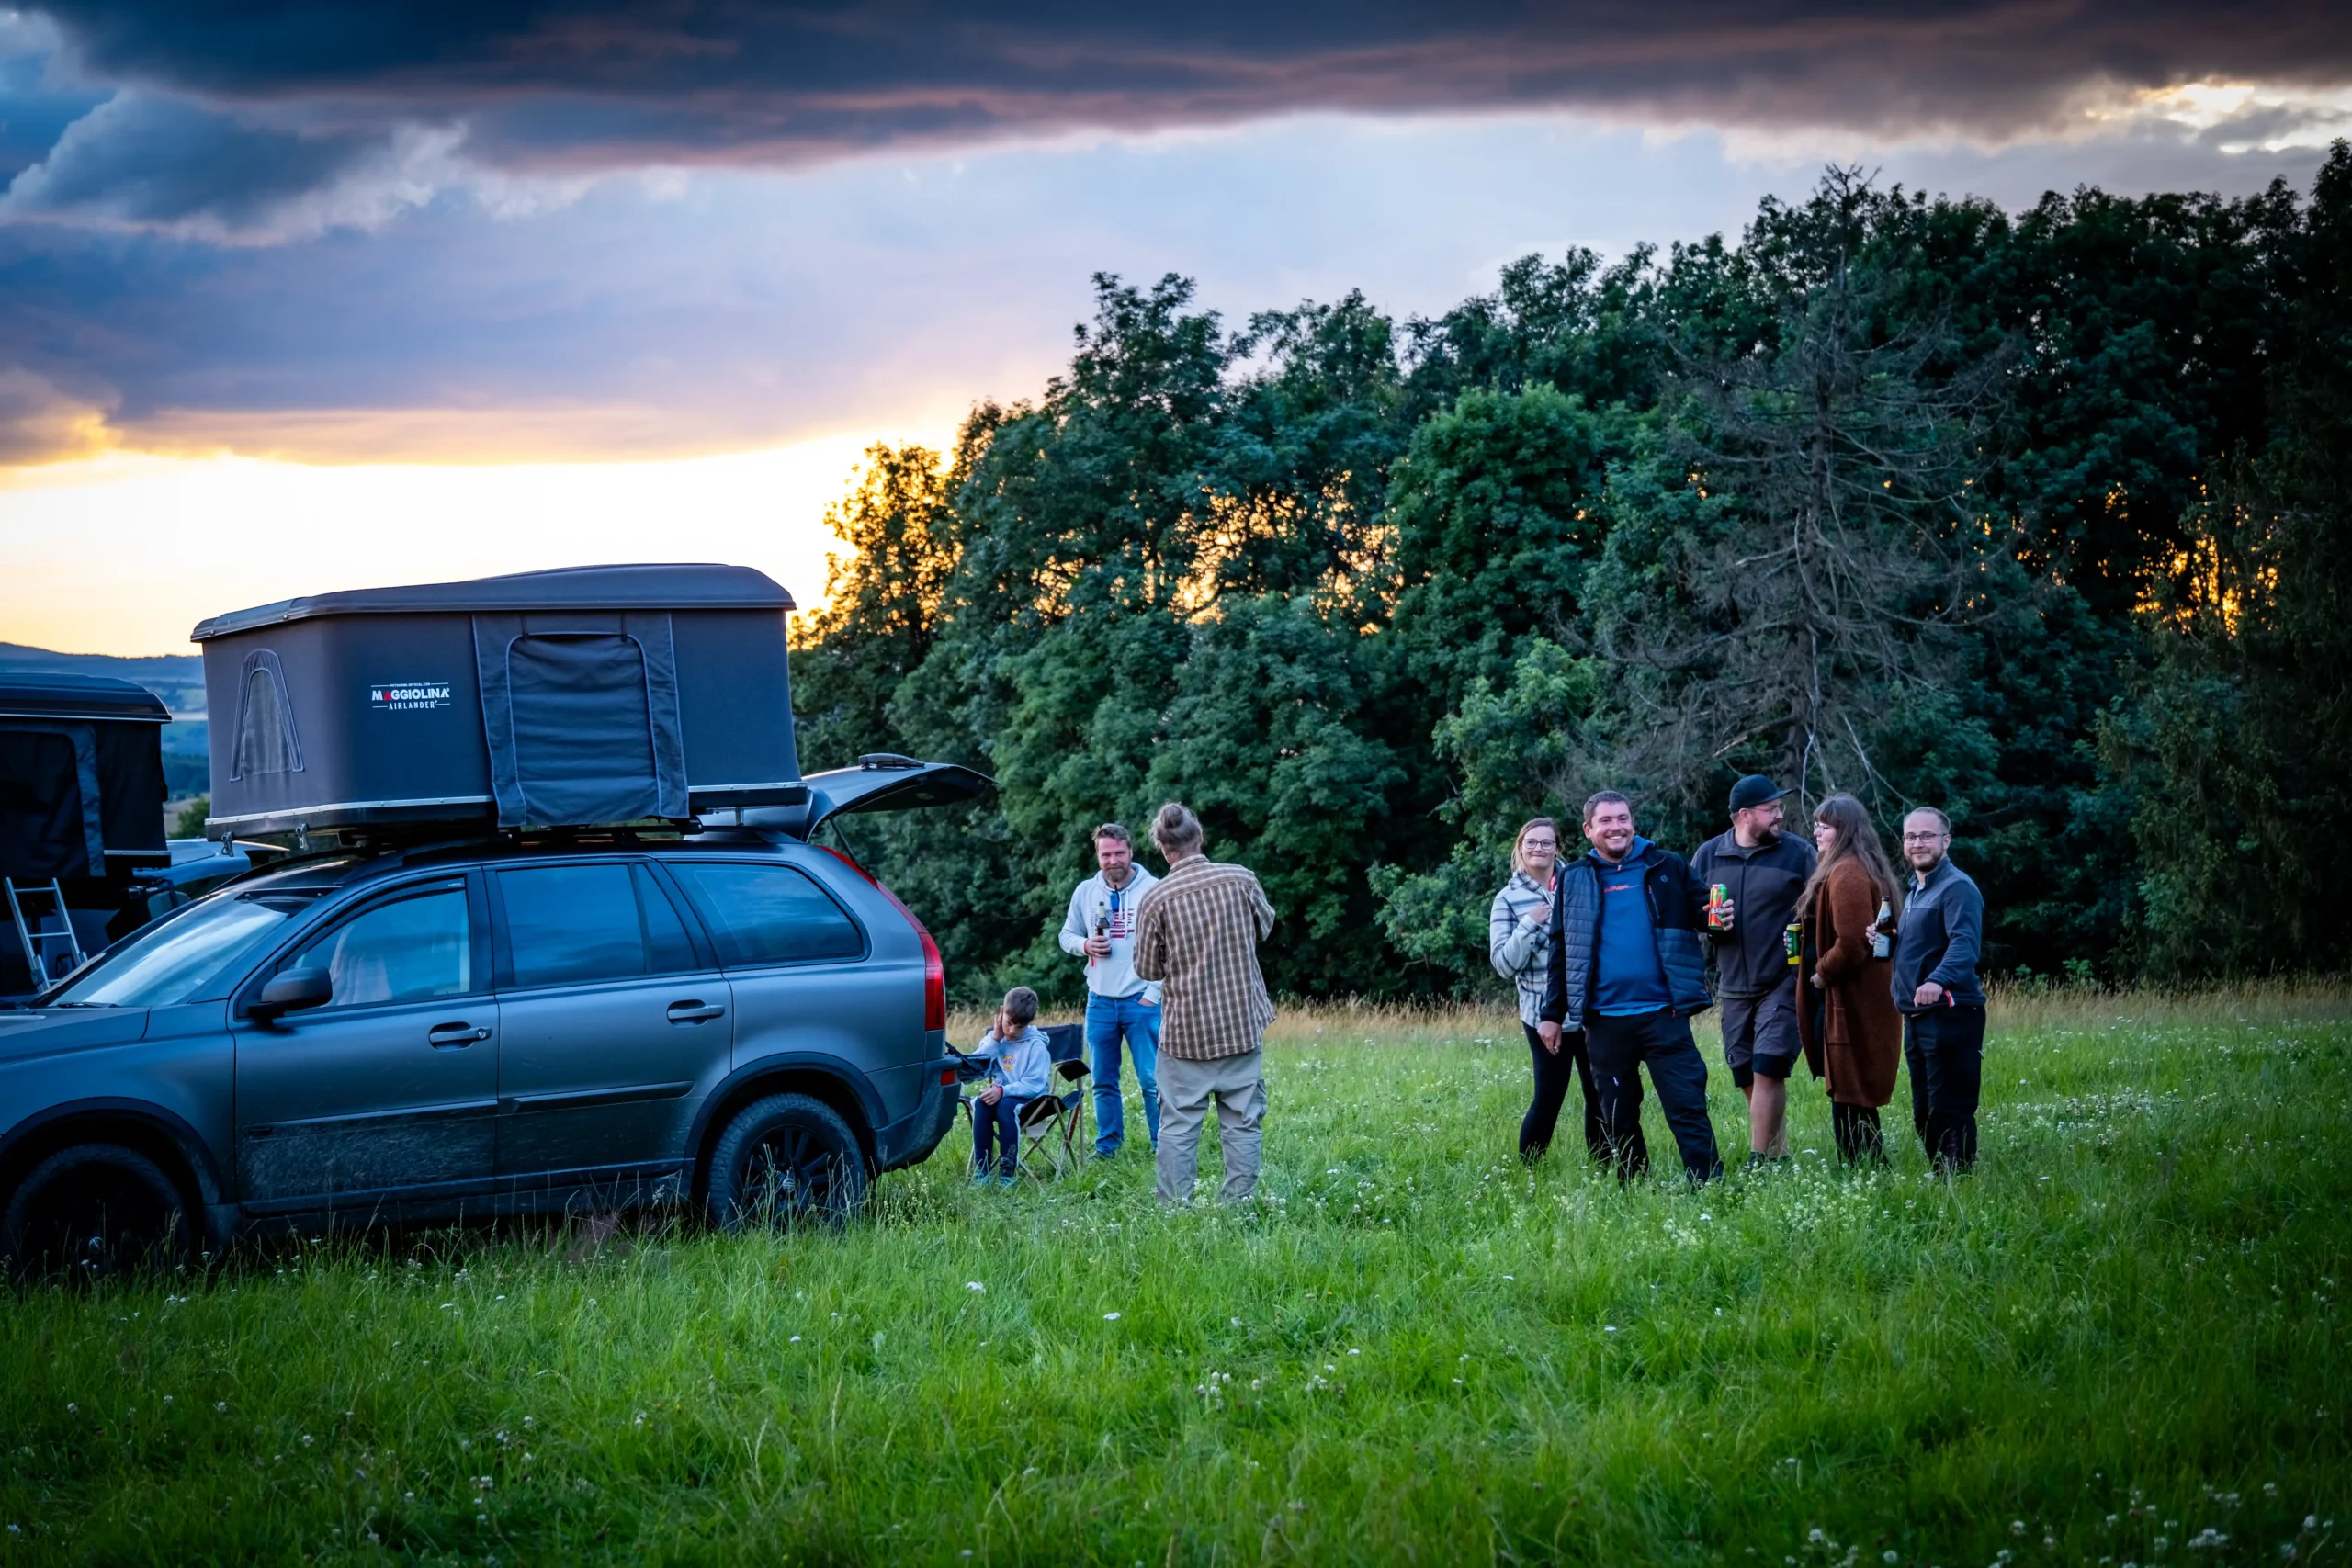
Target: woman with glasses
{"type": "Point", "coordinates": [1846, 1015]}
{"type": "Point", "coordinates": [1519, 936]}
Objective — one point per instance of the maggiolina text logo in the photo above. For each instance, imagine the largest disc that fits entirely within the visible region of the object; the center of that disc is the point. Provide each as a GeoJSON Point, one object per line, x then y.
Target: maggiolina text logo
{"type": "Point", "coordinates": [400, 696]}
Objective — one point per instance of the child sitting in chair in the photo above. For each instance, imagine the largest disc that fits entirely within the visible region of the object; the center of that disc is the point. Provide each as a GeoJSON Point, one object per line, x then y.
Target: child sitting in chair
{"type": "Point", "coordinates": [1020, 1070]}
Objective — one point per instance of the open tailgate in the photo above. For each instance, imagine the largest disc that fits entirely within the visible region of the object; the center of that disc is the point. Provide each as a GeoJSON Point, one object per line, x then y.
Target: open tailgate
{"type": "Point", "coordinates": [881, 782]}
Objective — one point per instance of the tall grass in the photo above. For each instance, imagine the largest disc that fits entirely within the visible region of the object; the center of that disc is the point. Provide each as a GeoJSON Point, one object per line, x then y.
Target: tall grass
{"type": "Point", "coordinates": [2120, 1341]}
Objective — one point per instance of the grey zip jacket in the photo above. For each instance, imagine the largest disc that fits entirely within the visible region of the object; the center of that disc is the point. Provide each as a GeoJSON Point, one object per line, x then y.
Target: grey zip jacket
{"type": "Point", "coordinates": [1113, 975]}
{"type": "Point", "coordinates": [1517, 950]}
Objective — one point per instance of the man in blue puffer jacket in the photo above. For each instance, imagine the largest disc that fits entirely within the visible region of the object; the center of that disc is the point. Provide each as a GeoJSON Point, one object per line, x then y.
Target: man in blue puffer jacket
{"type": "Point", "coordinates": [1629, 968]}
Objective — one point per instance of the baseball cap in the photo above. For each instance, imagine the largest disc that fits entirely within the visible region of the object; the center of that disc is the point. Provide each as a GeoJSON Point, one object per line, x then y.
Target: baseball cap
{"type": "Point", "coordinates": [1754, 790]}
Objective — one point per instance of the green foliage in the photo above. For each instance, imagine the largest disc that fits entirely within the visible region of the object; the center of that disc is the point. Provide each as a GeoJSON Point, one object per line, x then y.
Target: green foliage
{"type": "Point", "coordinates": [2238, 750]}
{"type": "Point", "coordinates": [1496, 512]}
{"type": "Point", "coordinates": [881, 604]}
{"type": "Point", "coordinates": [1517, 753]}
{"type": "Point", "coordinates": [2127, 1325]}
{"type": "Point", "coordinates": [189, 823]}
{"type": "Point", "coordinates": [2038, 518]}
{"type": "Point", "coordinates": [1266, 740]}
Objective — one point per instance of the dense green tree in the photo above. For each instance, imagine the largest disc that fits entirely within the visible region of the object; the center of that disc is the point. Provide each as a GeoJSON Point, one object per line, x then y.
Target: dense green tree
{"type": "Point", "coordinates": [1266, 740]}
{"type": "Point", "coordinates": [2041, 518]}
{"type": "Point", "coordinates": [1797, 553]}
{"type": "Point", "coordinates": [1590, 329]}
{"type": "Point", "coordinates": [1495, 514]}
{"type": "Point", "coordinates": [2238, 750]}
{"type": "Point", "coordinates": [882, 604]}
{"type": "Point", "coordinates": [1520, 751]}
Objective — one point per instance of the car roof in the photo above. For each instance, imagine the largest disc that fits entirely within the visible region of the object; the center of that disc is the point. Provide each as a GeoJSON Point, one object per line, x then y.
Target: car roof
{"type": "Point", "coordinates": [338, 868]}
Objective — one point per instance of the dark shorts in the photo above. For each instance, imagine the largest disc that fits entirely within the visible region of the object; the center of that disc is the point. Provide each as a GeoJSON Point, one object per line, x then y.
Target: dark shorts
{"type": "Point", "coordinates": [1760, 1034]}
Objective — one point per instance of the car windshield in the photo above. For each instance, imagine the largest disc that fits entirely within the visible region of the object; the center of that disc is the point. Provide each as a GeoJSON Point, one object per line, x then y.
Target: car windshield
{"type": "Point", "coordinates": [177, 958]}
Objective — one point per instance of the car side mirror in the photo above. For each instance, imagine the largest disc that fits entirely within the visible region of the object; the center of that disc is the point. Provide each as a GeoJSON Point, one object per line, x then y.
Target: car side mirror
{"type": "Point", "coordinates": [292, 992]}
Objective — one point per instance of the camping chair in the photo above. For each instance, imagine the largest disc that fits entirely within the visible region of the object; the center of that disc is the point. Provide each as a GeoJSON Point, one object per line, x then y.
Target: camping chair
{"type": "Point", "coordinates": [1050, 1124]}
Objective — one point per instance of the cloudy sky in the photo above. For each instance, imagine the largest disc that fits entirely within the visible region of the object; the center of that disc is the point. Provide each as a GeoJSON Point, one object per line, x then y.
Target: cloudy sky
{"type": "Point", "coordinates": [295, 297]}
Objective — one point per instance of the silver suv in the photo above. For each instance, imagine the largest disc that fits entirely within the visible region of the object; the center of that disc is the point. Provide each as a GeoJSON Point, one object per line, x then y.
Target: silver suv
{"type": "Point", "coordinates": [736, 1020]}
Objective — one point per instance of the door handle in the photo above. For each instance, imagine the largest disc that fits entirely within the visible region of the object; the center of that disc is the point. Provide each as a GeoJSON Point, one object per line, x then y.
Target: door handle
{"type": "Point", "coordinates": [444, 1036]}
{"type": "Point", "coordinates": [694, 1012]}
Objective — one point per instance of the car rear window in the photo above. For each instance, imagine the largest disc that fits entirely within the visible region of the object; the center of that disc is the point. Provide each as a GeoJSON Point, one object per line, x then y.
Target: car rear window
{"type": "Point", "coordinates": [768, 914]}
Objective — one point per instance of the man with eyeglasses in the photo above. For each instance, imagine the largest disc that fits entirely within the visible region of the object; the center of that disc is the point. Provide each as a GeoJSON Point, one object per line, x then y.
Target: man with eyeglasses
{"type": "Point", "coordinates": [1935, 985]}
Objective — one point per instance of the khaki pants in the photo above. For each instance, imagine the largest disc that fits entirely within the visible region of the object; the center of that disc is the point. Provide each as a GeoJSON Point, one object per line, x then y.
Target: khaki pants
{"type": "Point", "coordinates": [1238, 1085]}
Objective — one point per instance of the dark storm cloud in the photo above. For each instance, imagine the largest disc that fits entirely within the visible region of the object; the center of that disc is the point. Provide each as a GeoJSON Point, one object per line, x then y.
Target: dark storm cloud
{"type": "Point", "coordinates": [35, 110]}
{"type": "Point", "coordinates": [714, 79]}
{"type": "Point", "coordinates": [146, 162]}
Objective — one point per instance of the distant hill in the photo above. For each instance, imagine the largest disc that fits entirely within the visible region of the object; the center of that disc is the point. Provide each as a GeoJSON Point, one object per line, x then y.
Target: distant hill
{"type": "Point", "coordinates": [178, 678]}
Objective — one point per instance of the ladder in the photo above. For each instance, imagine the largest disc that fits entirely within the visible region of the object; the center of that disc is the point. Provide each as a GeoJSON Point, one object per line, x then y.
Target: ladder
{"type": "Point", "coordinates": [37, 941]}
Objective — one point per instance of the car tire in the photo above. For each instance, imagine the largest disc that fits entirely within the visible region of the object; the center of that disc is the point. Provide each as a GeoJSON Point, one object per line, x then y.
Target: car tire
{"type": "Point", "coordinates": [784, 1160]}
{"type": "Point", "coordinates": [93, 1212]}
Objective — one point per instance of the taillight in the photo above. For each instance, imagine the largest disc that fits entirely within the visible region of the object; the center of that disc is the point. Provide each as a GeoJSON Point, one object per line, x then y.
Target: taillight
{"type": "Point", "coordinates": [934, 972]}
{"type": "Point", "coordinates": [935, 969]}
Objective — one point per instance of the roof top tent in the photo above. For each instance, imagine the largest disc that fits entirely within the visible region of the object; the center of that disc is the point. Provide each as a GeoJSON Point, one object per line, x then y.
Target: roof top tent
{"type": "Point", "coordinates": [81, 810]}
{"type": "Point", "coordinates": [579, 697]}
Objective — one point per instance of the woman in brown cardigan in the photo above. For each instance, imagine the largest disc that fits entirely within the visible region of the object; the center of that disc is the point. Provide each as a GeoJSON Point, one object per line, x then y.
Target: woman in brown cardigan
{"type": "Point", "coordinates": [1846, 1015]}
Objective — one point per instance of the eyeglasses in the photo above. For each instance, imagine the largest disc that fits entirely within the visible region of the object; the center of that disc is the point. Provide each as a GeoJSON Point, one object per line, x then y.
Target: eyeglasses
{"type": "Point", "coordinates": [1924, 837]}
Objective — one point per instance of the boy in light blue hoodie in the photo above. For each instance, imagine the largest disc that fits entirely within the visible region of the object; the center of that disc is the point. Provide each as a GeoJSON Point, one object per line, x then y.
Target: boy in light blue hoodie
{"type": "Point", "coordinates": [1020, 1070]}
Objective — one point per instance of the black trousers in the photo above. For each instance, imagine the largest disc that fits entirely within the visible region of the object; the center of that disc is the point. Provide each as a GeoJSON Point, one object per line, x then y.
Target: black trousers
{"type": "Point", "coordinates": [1661, 1041]}
{"type": "Point", "coordinates": [1552, 1076]}
{"type": "Point", "coordinates": [1945, 1050]}
{"type": "Point", "coordinates": [1859, 1137]}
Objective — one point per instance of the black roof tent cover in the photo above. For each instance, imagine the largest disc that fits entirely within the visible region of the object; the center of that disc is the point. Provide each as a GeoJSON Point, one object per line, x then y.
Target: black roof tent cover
{"type": "Point", "coordinates": [595, 695]}
{"type": "Point", "coordinates": [81, 775]}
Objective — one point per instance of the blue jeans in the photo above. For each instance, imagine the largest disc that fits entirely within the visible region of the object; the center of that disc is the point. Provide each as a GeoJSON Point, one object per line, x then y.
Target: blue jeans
{"type": "Point", "coordinates": [1108, 1018]}
{"type": "Point", "coordinates": [998, 1124]}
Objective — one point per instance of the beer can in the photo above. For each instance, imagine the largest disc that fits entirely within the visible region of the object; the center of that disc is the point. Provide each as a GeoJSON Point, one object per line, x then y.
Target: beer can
{"type": "Point", "coordinates": [1794, 938]}
{"type": "Point", "coordinates": [1716, 897]}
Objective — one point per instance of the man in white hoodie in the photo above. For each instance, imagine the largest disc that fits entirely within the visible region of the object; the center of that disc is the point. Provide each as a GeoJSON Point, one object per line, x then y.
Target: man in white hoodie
{"type": "Point", "coordinates": [1101, 928]}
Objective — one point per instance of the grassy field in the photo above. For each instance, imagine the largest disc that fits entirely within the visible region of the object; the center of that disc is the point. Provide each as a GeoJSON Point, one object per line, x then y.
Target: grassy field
{"type": "Point", "coordinates": [2123, 1341]}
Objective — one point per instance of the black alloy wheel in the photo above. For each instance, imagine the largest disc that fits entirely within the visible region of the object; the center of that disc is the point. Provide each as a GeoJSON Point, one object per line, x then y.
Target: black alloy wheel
{"type": "Point", "coordinates": [784, 1160]}
{"type": "Point", "coordinates": [94, 1212]}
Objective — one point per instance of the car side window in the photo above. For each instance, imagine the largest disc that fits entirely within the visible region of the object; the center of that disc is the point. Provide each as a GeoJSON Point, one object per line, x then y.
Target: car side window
{"type": "Point", "coordinates": [768, 914]}
{"type": "Point", "coordinates": [409, 950]}
{"type": "Point", "coordinates": [569, 923]}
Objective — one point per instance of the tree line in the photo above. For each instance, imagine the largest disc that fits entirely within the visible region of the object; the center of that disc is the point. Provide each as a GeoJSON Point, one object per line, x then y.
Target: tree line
{"type": "Point", "coordinates": [2042, 517]}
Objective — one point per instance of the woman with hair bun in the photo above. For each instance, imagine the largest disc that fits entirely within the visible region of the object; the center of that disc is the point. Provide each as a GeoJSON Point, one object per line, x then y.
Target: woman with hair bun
{"type": "Point", "coordinates": [1846, 1015]}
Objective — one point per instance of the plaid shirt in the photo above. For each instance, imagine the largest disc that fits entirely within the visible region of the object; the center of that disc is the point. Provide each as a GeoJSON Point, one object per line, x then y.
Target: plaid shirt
{"type": "Point", "coordinates": [1197, 932]}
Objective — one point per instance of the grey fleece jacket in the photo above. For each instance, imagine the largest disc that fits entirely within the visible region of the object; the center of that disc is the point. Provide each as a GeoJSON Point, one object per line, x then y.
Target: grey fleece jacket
{"type": "Point", "coordinates": [1518, 950]}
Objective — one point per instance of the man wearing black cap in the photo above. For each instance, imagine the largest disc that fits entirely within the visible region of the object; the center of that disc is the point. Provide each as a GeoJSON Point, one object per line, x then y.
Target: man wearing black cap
{"type": "Point", "coordinates": [1761, 871]}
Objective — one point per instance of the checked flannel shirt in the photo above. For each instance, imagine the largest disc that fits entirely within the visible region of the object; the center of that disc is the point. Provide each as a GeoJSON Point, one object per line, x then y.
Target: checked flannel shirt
{"type": "Point", "coordinates": [1197, 932]}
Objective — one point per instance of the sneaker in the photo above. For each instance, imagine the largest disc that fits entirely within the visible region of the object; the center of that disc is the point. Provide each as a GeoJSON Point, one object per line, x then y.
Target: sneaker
{"type": "Point", "coordinates": [1007, 1180]}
